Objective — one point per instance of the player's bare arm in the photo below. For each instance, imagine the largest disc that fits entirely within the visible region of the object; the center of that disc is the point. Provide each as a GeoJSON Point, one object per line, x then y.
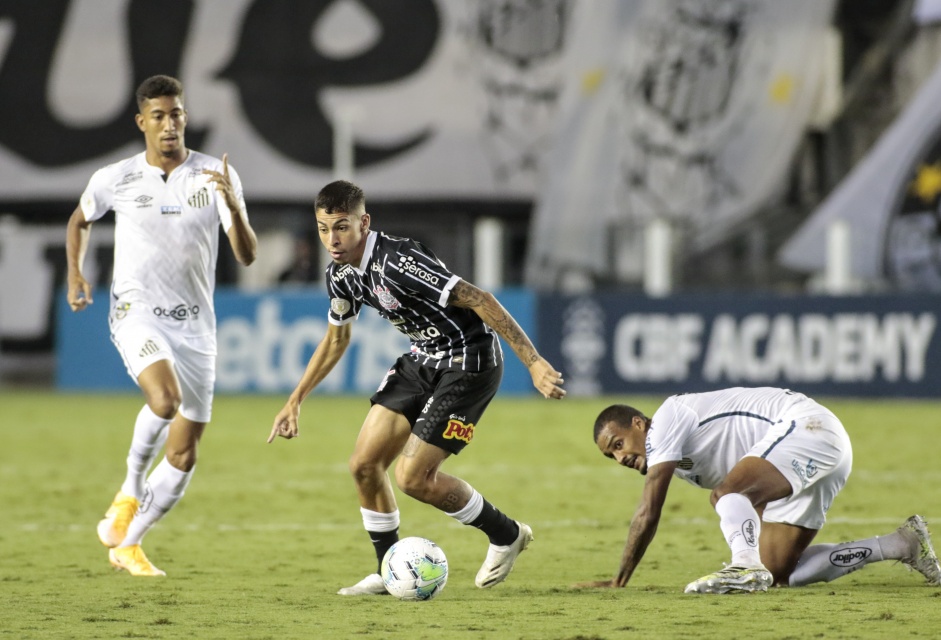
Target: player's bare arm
{"type": "Point", "coordinates": [76, 244]}
{"type": "Point", "coordinates": [241, 235]}
{"type": "Point", "coordinates": [545, 378]}
{"type": "Point", "coordinates": [643, 524]}
{"type": "Point", "coordinates": [325, 357]}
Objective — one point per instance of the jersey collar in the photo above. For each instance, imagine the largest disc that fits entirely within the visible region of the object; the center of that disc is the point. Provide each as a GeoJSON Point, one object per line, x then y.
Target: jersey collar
{"type": "Point", "coordinates": [367, 252]}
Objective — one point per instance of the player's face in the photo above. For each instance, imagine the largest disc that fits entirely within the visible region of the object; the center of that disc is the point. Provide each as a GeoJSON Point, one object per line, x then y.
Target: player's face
{"type": "Point", "coordinates": [163, 121]}
{"type": "Point", "coordinates": [626, 444]}
{"type": "Point", "coordinates": [343, 234]}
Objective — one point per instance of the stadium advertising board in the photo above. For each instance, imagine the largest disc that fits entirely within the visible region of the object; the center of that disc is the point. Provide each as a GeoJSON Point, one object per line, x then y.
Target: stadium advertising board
{"type": "Point", "coordinates": [264, 341]}
{"type": "Point", "coordinates": [852, 346]}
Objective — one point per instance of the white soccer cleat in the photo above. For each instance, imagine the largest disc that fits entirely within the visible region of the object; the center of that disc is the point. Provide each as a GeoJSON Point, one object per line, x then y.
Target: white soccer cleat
{"type": "Point", "coordinates": [733, 579]}
{"type": "Point", "coordinates": [371, 585]}
{"type": "Point", "coordinates": [923, 560]}
{"type": "Point", "coordinates": [499, 561]}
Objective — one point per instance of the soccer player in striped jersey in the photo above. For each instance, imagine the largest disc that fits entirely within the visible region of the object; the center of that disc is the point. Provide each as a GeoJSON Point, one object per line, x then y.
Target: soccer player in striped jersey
{"type": "Point", "coordinates": [168, 203]}
{"type": "Point", "coordinates": [774, 461]}
{"type": "Point", "coordinates": [430, 402]}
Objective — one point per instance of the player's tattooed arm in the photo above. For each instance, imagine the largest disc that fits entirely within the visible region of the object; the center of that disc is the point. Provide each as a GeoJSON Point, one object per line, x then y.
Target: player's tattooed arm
{"type": "Point", "coordinates": [545, 378]}
{"type": "Point", "coordinates": [485, 305]}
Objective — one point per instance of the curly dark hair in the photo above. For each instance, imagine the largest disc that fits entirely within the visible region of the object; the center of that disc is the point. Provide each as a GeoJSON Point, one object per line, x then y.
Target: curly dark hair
{"type": "Point", "coordinates": [619, 413]}
{"type": "Point", "coordinates": [340, 196]}
{"type": "Point", "coordinates": [157, 87]}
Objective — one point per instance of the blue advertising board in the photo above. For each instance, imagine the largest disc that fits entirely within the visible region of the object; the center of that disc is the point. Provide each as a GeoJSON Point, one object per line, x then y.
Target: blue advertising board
{"type": "Point", "coordinates": [265, 341]}
{"type": "Point", "coordinates": [841, 346]}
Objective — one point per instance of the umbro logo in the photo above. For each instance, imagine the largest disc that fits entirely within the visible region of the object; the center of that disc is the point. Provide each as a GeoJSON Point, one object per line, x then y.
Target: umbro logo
{"type": "Point", "coordinates": [143, 201]}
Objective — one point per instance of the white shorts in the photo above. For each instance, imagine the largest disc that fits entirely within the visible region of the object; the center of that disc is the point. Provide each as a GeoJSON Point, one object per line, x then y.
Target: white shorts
{"type": "Point", "coordinates": [143, 340]}
{"type": "Point", "coordinates": [812, 450]}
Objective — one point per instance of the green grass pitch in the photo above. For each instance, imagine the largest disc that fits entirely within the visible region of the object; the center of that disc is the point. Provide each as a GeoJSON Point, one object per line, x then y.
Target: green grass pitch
{"type": "Point", "coordinates": [267, 533]}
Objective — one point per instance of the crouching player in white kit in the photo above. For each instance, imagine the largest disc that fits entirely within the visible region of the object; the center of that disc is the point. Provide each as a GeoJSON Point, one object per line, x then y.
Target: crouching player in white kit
{"type": "Point", "coordinates": [169, 202]}
{"type": "Point", "coordinates": [775, 460]}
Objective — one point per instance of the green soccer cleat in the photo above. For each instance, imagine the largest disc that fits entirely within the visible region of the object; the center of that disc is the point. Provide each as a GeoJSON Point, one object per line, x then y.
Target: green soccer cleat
{"type": "Point", "coordinates": [733, 579]}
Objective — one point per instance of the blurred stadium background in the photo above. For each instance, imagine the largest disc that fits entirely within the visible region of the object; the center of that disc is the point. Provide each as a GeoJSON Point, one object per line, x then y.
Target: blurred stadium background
{"type": "Point", "coordinates": [669, 194]}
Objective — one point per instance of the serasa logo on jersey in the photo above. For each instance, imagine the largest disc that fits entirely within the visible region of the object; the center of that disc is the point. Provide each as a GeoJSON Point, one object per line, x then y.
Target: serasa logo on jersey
{"type": "Point", "coordinates": [386, 299]}
{"type": "Point", "coordinates": [171, 210]}
{"type": "Point", "coordinates": [199, 199]}
{"type": "Point", "coordinates": [457, 430]}
{"type": "Point", "coordinates": [180, 312]}
{"type": "Point", "coordinates": [408, 264]}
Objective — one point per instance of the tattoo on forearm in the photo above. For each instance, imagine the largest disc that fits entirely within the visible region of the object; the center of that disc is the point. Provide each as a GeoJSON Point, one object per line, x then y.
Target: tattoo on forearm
{"type": "Point", "coordinates": [491, 312]}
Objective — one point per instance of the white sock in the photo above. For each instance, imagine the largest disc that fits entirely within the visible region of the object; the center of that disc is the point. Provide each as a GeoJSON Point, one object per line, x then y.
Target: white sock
{"type": "Point", "coordinates": [150, 432]}
{"type": "Point", "coordinates": [826, 562]}
{"type": "Point", "coordinates": [167, 483]}
{"type": "Point", "coordinates": [378, 521]}
{"type": "Point", "coordinates": [741, 527]}
{"type": "Point", "coordinates": [471, 510]}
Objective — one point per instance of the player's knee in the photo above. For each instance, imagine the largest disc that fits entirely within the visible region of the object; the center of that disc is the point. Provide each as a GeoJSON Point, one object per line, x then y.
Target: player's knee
{"type": "Point", "coordinates": [364, 470]}
{"type": "Point", "coordinates": [411, 484]}
{"type": "Point", "coordinates": [164, 403]}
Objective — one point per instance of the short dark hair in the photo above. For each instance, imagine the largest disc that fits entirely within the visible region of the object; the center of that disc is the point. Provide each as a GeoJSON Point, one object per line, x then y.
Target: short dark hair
{"type": "Point", "coordinates": [157, 87]}
{"type": "Point", "coordinates": [340, 196]}
{"type": "Point", "coordinates": [619, 413]}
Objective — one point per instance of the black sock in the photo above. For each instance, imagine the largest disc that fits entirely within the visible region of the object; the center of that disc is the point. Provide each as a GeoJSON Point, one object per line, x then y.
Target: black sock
{"type": "Point", "coordinates": [501, 530]}
{"type": "Point", "coordinates": [382, 540]}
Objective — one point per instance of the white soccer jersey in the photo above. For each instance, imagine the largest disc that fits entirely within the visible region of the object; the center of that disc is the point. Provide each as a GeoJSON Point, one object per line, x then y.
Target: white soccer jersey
{"type": "Point", "coordinates": [166, 237]}
{"type": "Point", "coordinates": [707, 433]}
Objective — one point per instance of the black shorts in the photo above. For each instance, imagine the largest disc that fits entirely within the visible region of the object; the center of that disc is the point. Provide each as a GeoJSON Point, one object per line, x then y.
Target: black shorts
{"type": "Point", "coordinates": [442, 405]}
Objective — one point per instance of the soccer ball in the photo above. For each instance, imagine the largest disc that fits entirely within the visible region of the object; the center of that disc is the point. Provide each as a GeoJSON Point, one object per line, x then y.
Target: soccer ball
{"type": "Point", "coordinates": [414, 569]}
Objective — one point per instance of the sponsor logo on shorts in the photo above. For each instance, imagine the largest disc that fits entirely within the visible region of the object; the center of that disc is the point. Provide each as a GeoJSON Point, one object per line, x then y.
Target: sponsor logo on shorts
{"type": "Point", "coordinates": [150, 348]}
{"type": "Point", "coordinates": [685, 464]}
{"type": "Point", "coordinates": [386, 299]}
{"type": "Point", "coordinates": [804, 471]}
{"type": "Point", "coordinates": [849, 557]}
{"type": "Point", "coordinates": [339, 306]}
{"type": "Point", "coordinates": [376, 267]}
{"type": "Point", "coordinates": [180, 312]}
{"type": "Point", "coordinates": [457, 430]}
{"type": "Point", "coordinates": [749, 531]}
{"type": "Point", "coordinates": [199, 199]}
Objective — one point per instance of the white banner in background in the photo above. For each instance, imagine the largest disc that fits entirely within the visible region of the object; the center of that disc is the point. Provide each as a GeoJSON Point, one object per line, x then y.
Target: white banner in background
{"type": "Point", "coordinates": [701, 109]}
{"type": "Point", "coordinates": [892, 202]}
{"type": "Point", "coordinates": [445, 99]}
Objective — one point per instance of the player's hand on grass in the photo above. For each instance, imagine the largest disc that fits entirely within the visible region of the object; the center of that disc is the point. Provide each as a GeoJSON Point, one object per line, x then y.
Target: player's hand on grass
{"type": "Point", "coordinates": [285, 423]}
{"type": "Point", "coordinates": [546, 379]}
{"type": "Point", "coordinates": [79, 294]}
{"type": "Point", "coordinates": [596, 584]}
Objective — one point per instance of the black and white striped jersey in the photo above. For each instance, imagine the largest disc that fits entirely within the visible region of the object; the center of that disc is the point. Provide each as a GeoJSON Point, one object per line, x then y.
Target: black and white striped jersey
{"type": "Point", "coordinates": [409, 286]}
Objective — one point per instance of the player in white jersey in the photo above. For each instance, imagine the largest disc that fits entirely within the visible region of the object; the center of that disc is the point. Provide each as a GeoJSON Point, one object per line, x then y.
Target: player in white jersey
{"type": "Point", "coordinates": [168, 203]}
{"type": "Point", "coordinates": [774, 460]}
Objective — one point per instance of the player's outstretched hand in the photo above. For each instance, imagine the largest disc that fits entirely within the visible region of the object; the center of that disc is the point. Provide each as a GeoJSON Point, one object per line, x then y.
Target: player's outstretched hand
{"type": "Point", "coordinates": [285, 423]}
{"type": "Point", "coordinates": [79, 294]}
{"type": "Point", "coordinates": [546, 379]}
{"type": "Point", "coordinates": [596, 584]}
